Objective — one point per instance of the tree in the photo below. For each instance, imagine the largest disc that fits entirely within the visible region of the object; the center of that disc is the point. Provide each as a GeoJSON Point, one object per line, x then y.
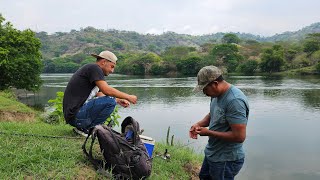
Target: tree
{"type": "Point", "coordinates": [139, 64]}
{"type": "Point", "coordinates": [177, 53]}
{"type": "Point", "coordinates": [311, 46]}
{"type": "Point", "coordinates": [312, 43]}
{"type": "Point", "coordinates": [272, 59]}
{"type": "Point", "coordinates": [249, 67]}
{"type": "Point", "coordinates": [190, 65]}
{"type": "Point", "coordinates": [118, 45]}
{"type": "Point", "coordinates": [230, 38]}
{"type": "Point", "coordinates": [20, 64]}
{"type": "Point", "coordinates": [147, 60]}
{"type": "Point", "coordinates": [225, 55]}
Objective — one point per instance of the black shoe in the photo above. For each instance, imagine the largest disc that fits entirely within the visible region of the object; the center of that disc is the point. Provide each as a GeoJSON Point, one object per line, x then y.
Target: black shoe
{"type": "Point", "coordinates": [81, 131]}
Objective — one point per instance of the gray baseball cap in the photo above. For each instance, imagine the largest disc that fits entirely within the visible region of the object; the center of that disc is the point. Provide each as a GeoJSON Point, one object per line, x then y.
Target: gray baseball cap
{"type": "Point", "coordinates": [205, 76]}
{"type": "Point", "coordinates": [106, 55]}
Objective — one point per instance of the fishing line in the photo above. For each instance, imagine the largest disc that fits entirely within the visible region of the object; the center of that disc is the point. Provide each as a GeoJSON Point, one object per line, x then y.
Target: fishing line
{"type": "Point", "coordinates": [38, 135]}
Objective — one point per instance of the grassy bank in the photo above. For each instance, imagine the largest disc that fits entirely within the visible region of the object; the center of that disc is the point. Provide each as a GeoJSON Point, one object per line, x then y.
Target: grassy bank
{"type": "Point", "coordinates": [28, 151]}
{"type": "Point", "coordinates": [37, 150]}
{"type": "Point", "coordinates": [12, 110]}
{"type": "Point", "coordinates": [310, 70]}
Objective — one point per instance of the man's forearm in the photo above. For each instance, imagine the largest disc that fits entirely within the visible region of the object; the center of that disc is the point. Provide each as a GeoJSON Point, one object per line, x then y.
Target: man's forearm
{"type": "Point", "coordinates": [205, 121]}
{"type": "Point", "coordinates": [236, 134]}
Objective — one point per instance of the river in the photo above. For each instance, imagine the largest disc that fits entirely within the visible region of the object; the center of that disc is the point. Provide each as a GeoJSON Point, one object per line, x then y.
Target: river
{"type": "Point", "coordinates": [283, 137]}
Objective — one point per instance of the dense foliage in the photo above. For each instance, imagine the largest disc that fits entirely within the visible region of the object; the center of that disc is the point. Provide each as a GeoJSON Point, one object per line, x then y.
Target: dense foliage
{"type": "Point", "coordinates": [172, 54]}
{"type": "Point", "coordinates": [20, 64]}
{"type": "Point", "coordinates": [166, 54]}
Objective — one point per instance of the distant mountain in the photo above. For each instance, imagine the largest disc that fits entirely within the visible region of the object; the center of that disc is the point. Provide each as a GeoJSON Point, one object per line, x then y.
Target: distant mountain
{"type": "Point", "coordinates": [88, 40]}
{"type": "Point", "coordinates": [296, 35]}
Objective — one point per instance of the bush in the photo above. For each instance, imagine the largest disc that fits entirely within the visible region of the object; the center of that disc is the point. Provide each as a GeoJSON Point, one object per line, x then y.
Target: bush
{"type": "Point", "coordinates": [57, 117]}
{"type": "Point", "coordinates": [248, 67]}
{"type": "Point", "coordinates": [300, 61]}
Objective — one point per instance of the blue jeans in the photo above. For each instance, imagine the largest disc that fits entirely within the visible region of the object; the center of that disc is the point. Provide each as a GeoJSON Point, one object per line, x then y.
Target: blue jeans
{"type": "Point", "coordinates": [225, 170]}
{"type": "Point", "coordinates": [94, 112]}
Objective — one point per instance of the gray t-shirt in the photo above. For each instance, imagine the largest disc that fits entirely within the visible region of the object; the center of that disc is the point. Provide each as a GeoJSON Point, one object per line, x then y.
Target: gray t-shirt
{"type": "Point", "coordinates": [230, 108]}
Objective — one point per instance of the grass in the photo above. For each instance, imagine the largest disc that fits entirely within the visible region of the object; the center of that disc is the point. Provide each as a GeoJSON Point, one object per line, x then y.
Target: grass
{"type": "Point", "coordinates": [8, 103]}
{"type": "Point", "coordinates": [38, 150]}
{"type": "Point", "coordinates": [38, 157]}
{"type": "Point", "coordinates": [26, 155]}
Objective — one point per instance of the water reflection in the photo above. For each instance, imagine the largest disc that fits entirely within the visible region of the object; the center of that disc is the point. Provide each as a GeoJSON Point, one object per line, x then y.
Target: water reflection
{"type": "Point", "coordinates": [311, 98]}
{"type": "Point", "coordinates": [283, 140]}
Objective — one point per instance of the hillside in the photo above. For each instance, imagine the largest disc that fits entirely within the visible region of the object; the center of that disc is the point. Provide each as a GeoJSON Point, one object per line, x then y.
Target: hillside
{"type": "Point", "coordinates": [89, 39]}
{"type": "Point", "coordinates": [296, 35]}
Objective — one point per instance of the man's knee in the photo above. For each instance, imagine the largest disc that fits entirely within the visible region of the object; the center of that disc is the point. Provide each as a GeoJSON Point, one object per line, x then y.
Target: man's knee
{"type": "Point", "coordinates": [111, 101]}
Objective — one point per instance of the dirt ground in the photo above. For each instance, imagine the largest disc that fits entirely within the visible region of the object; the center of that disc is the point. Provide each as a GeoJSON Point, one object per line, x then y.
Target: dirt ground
{"type": "Point", "coordinates": [193, 170]}
{"type": "Point", "coordinates": [16, 116]}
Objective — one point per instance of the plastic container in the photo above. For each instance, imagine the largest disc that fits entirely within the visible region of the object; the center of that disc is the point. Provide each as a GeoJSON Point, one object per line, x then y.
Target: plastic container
{"type": "Point", "coordinates": [148, 143]}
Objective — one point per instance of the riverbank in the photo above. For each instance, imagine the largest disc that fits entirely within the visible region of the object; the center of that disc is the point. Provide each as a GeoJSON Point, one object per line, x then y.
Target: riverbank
{"type": "Point", "coordinates": [12, 110]}
{"type": "Point", "coordinates": [37, 150]}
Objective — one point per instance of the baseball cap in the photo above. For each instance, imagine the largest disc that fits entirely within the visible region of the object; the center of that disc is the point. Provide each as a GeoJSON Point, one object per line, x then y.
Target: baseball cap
{"type": "Point", "coordinates": [206, 75]}
{"type": "Point", "coordinates": [106, 55]}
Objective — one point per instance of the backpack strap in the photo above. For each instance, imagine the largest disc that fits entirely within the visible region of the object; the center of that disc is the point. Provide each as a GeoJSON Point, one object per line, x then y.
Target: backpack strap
{"type": "Point", "coordinates": [113, 136]}
{"type": "Point", "coordinates": [96, 162]}
{"type": "Point", "coordinates": [129, 121]}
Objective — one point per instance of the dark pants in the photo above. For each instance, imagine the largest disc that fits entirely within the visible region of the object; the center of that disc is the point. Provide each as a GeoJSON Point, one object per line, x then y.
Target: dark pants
{"type": "Point", "coordinates": [225, 170]}
{"type": "Point", "coordinates": [94, 112]}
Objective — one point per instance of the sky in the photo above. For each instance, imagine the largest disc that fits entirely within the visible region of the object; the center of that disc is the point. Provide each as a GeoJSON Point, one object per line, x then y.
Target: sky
{"type": "Point", "coordinates": [195, 17]}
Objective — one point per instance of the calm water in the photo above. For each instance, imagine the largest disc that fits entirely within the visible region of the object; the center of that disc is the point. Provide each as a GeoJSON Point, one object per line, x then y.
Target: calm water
{"type": "Point", "coordinates": [283, 139]}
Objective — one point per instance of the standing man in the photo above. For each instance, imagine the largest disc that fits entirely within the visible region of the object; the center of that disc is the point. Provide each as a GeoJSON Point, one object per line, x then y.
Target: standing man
{"type": "Point", "coordinates": [88, 99]}
{"type": "Point", "coordinates": [226, 122]}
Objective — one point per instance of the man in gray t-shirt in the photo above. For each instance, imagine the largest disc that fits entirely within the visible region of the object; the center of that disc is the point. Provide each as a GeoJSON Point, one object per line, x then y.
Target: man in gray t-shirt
{"type": "Point", "coordinates": [226, 122]}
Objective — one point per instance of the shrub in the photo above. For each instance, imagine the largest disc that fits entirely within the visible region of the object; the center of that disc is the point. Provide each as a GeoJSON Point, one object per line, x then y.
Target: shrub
{"type": "Point", "coordinates": [56, 116]}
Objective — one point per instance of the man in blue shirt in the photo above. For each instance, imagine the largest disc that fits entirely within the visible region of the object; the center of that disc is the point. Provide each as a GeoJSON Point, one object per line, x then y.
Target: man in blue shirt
{"type": "Point", "coordinates": [225, 125]}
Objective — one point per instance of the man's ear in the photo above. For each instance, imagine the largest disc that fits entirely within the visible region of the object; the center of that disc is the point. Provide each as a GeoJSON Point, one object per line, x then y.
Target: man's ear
{"type": "Point", "coordinates": [215, 83]}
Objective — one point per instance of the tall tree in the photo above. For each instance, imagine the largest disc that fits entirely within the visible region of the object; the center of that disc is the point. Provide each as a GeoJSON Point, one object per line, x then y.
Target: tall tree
{"type": "Point", "coordinates": [225, 55]}
{"type": "Point", "coordinates": [312, 43]}
{"type": "Point", "coordinates": [230, 38]}
{"type": "Point", "coordinates": [20, 64]}
{"type": "Point", "coordinates": [272, 59]}
{"type": "Point", "coordinates": [190, 65]}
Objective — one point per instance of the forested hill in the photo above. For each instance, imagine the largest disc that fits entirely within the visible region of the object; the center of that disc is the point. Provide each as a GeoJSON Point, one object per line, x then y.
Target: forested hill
{"type": "Point", "coordinates": [296, 35]}
{"type": "Point", "coordinates": [88, 40]}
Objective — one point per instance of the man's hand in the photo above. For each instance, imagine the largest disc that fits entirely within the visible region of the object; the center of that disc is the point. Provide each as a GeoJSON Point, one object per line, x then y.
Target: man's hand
{"type": "Point", "coordinates": [203, 131]}
{"type": "Point", "coordinates": [133, 99]}
{"type": "Point", "coordinates": [123, 102]}
{"type": "Point", "coordinates": [192, 132]}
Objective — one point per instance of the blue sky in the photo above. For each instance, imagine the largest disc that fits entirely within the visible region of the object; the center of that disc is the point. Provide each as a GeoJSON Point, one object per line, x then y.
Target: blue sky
{"type": "Point", "coordinates": [196, 17]}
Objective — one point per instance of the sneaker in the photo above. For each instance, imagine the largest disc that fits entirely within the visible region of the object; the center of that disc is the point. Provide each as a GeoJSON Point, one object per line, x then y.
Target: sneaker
{"type": "Point", "coordinates": [81, 131]}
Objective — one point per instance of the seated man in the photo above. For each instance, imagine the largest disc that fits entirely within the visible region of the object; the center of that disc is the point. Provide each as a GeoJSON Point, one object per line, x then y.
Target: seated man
{"type": "Point", "coordinates": [80, 108]}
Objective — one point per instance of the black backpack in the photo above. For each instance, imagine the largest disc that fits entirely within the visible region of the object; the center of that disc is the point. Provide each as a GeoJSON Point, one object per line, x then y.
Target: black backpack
{"type": "Point", "coordinates": [124, 153]}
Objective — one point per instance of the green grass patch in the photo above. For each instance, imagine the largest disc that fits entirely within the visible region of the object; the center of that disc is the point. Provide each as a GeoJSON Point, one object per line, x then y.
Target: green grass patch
{"type": "Point", "coordinates": [184, 163]}
{"type": "Point", "coordinates": [28, 152]}
{"type": "Point", "coordinates": [12, 110]}
{"type": "Point", "coordinates": [8, 103]}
